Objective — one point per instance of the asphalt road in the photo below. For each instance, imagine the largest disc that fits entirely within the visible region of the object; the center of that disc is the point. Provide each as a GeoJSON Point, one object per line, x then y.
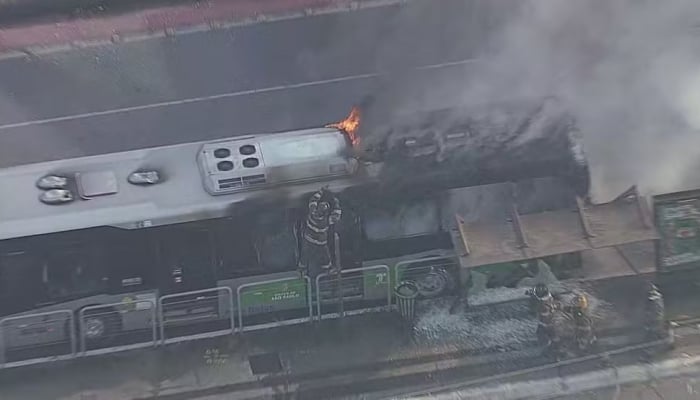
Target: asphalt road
{"type": "Point", "coordinates": [265, 77]}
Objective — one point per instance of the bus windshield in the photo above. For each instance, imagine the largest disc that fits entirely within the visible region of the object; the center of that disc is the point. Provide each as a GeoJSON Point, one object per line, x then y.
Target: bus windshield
{"type": "Point", "coordinates": [406, 220]}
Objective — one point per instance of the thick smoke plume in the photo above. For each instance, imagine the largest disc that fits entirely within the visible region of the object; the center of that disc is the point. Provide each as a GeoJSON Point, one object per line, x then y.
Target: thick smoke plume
{"type": "Point", "coordinates": [629, 71]}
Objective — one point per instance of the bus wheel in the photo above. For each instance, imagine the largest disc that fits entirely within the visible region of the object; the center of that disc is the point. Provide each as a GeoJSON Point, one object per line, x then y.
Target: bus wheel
{"type": "Point", "coordinates": [435, 283]}
{"type": "Point", "coordinates": [101, 325]}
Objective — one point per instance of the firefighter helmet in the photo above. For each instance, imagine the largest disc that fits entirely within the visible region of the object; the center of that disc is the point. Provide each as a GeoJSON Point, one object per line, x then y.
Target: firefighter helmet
{"type": "Point", "coordinates": [541, 290]}
{"type": "Point", "coordinates": [581, 301]}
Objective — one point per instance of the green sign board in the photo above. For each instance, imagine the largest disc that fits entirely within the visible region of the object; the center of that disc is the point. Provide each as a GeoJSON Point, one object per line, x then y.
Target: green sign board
{"type": "Point", "coordinates": [375, 282]}
{"type": "Point", "coordinates": [679, 226]}
{"type": "Point", "coordinates": [272, 296]}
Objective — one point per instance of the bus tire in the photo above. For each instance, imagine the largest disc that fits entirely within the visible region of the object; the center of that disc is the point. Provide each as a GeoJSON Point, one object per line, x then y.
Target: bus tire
{"type": "Point", "coordinates": [438, 282]}
{"type": "Point", "coordinates": [100, 325]}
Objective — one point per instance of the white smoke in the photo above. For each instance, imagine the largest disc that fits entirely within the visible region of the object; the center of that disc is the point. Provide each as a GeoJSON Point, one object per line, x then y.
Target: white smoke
{"type": "Point", "coordinates": [629, 70]}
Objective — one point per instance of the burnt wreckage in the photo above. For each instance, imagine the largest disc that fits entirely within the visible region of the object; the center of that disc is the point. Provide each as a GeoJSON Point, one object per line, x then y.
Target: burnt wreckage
{"type": "Point", "coordinates": [460, 147]}
{"type": "Point", "coordinates": [417, 157]}
{"type": "Point", "coordinates": [535, 145]}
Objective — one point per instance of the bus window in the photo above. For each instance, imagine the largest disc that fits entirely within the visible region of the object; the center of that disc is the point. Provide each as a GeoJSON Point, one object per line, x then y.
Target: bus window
{"type": "Point", "coordinates": [235, 250]}
{"type": "Point", "coordinates": [20, 281]}
{"type": "Point", "coordinates": [404, 229]}
{"type": "Point", "coordinates": [131, 261]}
{"type": "Point", "coordinates": [405, 220]}
{"type": "Point", "coordinates": [186, 258]}
{"type": "Point", "coordinates": [276, 241]}
{"type": "Point", "coordinates": [71, 272]}
{"type": "Point", "coordinates": [257, 244]}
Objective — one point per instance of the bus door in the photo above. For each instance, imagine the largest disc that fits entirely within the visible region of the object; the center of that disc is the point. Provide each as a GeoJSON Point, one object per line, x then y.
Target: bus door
{"type": "Point", "coordinates": [186, 259]}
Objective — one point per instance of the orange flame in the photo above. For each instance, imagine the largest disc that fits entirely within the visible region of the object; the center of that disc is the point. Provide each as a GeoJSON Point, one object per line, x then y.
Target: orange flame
{"type": "Point", "coordinates": [350, 126]}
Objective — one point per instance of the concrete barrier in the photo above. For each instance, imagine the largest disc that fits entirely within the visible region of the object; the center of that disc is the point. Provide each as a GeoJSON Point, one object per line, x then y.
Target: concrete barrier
{"type": "Point", "coordinates": [15, 10]}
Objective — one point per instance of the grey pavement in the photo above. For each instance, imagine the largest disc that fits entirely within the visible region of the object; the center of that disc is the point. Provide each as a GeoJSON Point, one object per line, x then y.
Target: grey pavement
{"type": "Point", "coordinates": [389, 40]}
{"type": "Point", "coordinates": [674, 388]}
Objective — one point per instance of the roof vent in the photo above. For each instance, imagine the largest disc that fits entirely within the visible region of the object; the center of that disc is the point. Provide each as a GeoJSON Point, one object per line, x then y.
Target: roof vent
{"type": "Point", "coordinates": [247, 149]}
{"type": "Point", "coordinates": [224, 165]}
{"type": "Point", "coordinates": [56, 196]}
{"type": "Point", "coordinates": [222, 152]}
{"type": "Point", "coordinates": [144, 178]}
{"type": "Point", "coordinates": [97, 183]}
{"type": "Point", "coordinates": [251, 162]}
{"type": "Point", "coordinates": [52, 182]}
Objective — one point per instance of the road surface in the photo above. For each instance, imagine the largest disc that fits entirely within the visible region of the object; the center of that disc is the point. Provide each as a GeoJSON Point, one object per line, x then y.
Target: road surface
{"type": "Point", "coordinates": [265, 77]}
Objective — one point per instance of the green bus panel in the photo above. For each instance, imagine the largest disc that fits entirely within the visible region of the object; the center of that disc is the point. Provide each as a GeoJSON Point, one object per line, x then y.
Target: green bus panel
{"type": "Point", "coordinates": [678, 221]}
{"type": "Point", "coordinates": [273, 296]}
{"type": "Point", "coordinates": [375, 283]}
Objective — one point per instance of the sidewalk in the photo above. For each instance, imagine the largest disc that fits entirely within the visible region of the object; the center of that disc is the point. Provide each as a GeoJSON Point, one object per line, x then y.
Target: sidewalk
{"type": "Point", "coordinates": [324, 359]}
{"type": "Point", "coordinates": [168, 20]}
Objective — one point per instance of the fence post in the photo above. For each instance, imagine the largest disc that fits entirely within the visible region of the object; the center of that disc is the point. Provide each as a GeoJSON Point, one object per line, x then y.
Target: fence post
{"type": "Point", "coordinates": [231, 310]}
{"type": "Point", "coordinates": [161, 319]}
{"type": "Point", "coordinates": [239, 308]}
{"type": "Point", "coordinates": [81, 327]}
{"type": "Point", "coordinates": [309, 298]}
{"type": "Point", "coordinates": [388, 288]}
{"type": "Point", "coordinates": [154, 322]}
{"type": "Point", "coordinates": [318, 294]}
{"type": "Point", "coordinates": [71, 321]}
{"type": "Point", "coordinates": [2, 343]}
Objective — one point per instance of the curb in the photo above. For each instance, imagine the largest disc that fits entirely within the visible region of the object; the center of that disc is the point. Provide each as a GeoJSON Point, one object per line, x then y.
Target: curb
{"type": "Point", "coordinates": [579, 383]}
{"type": "Point", "coordinates": [139, 26]}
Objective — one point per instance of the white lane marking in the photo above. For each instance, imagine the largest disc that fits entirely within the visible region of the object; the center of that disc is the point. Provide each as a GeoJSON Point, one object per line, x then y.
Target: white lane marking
{"type": "Point", "coordinates": [248, 92]}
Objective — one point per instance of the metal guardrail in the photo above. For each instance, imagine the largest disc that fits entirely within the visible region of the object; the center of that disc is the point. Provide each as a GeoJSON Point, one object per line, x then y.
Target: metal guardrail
{"type": "Point", "coordinates": [264, 292]}
{"type": "Point", "coordinates": [63, 334]}
{"type": "Point", "coordinates": [106, 321]}
{"type": "Point", "coordinates": [381, 282]}
{"type": "Point", "coordinates": [41, 338]}
{"type": "Point", "coordinates": [206, 306]}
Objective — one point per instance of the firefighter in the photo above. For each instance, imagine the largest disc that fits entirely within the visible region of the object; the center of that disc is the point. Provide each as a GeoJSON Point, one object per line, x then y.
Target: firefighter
{"type": "Point", "coordinates": [546, 309]}
{"type": "Point", "coordinates": [583, 324]}
{"type": "Point", "coordinates": [323, 214]}
{"type": "Point", "coordinates": [656, 320]}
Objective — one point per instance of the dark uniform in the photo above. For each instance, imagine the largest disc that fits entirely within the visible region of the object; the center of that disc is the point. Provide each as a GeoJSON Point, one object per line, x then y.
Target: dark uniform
{"type": "Point", "coordinates": [324, 212]}
{"type": "Point", "coordinates": [656, 320]}
{"type": "Point", "coordinates": [546, 309]}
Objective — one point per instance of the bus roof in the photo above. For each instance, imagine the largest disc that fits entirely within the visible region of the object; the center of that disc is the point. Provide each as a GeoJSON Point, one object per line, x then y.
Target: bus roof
{"type": "Point", "coordinates": [179, 197]}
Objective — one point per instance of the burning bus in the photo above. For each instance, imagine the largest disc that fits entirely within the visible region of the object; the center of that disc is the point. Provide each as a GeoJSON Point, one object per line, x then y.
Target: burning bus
{"type": "Point", "coordinates": [197, 239]}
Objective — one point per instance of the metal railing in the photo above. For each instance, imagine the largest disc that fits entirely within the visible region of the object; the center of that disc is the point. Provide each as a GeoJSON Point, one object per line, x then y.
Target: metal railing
{"type": "Point", "coordinates": [212, 309]}
{"type": "Point", "coordinates": [100, 326]}
{"type": "Point", "coordinates": [36, 338]}
{"type": "Point", "coordinates": [361, 291]}
{"type": "Point", "coordinates": [298, 291]}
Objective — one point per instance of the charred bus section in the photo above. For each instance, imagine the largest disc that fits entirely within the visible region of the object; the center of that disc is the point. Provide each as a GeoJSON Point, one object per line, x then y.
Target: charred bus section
{"type": "Point", "coordinates": [460, 147]}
